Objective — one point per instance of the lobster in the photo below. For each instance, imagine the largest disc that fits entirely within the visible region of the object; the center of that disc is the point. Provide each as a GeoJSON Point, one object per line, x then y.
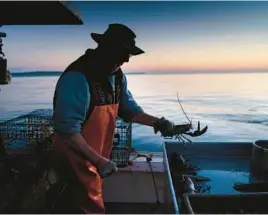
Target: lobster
{"type": "Point", "coordinates": [184, 129]}
{"type": "Point", "coordinates": [179, 131]}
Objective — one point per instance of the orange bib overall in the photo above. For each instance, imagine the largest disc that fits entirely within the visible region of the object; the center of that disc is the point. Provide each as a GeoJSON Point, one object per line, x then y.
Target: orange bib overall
{"type": "Point", "coordinates": [98, 131]}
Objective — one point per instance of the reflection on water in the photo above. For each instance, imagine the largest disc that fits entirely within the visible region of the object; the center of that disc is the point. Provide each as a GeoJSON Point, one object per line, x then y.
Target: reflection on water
{"type": "Point", "coordinates": [235, 107]}
{"type": "Point", "coordinates": [222, 182]}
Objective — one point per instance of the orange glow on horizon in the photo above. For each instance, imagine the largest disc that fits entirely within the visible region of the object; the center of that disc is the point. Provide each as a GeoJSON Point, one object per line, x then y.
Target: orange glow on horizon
{"type": "Point", "coordinates": [184, 58]}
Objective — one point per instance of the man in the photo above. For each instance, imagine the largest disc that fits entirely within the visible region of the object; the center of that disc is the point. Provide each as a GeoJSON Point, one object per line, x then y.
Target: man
{"type": "Point", "coordinates": [89, 96]}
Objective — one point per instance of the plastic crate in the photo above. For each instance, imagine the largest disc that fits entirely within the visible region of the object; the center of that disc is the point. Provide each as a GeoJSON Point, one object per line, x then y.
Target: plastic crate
{"type": "Point", "coordinates": [122, 143]}
{"type": "Point", "coordinates": [22, 133]}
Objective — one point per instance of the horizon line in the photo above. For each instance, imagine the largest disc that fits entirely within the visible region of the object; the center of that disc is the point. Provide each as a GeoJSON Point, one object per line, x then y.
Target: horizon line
{"type": "Point", "coordinates": [190, 72]}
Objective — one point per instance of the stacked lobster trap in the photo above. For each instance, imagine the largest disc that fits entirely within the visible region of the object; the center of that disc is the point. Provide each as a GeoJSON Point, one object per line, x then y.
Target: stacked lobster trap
{"type": "Point", "coordinates": [24, 134]}
{"type": "Point", "coordinates": [25, 143]}
{"type": "Point", "coordinates": [30, 133]}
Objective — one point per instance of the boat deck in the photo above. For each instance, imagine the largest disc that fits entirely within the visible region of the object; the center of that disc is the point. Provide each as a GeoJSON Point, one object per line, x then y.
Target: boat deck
{"type": "Point", "coordinates": [65, 206]}
{"type": "Point", "coordinates": [135, 208]}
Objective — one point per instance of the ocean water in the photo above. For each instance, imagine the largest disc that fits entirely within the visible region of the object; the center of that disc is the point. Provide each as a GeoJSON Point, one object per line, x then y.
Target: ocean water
{"type": "Point", "coordinates": [234, 106]}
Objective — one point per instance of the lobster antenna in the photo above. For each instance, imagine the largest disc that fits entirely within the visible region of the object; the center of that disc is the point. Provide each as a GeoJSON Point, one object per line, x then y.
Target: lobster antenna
{"type": "Point", "coordinates": [190, 121]}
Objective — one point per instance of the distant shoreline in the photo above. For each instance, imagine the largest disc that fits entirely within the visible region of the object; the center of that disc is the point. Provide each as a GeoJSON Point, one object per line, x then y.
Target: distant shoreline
{"type": "Point", "coordinates": [34, 74]}
{"type": "Point", "coordinates": [48, 73]}
{"type": "Point", "coordinates": [57, 73]}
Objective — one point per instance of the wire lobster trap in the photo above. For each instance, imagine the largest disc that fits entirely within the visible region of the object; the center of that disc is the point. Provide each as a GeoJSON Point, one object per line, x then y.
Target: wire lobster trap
{"type": "Point", "coordinates": [26, 134]}
{"type": "Point", "coordinates": [21, 135]}
{"type": "Point", "coordinates": [122, 146]}
{"type": "Point", "coordinates": [22, 165]}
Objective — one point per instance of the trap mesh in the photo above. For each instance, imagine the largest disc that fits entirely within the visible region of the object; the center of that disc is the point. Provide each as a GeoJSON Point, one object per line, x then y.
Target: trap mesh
{"type": "Point", "coordinates": [22, 135]}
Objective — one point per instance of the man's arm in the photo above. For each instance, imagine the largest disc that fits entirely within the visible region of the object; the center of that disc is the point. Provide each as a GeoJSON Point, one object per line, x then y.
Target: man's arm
{"type": "Point", "coordinates": [72, 103]}
{"type": "Point", "coordinates": [145, 119]}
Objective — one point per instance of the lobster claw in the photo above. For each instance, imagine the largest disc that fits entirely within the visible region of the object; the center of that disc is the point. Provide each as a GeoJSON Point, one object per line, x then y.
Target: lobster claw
{"type": "Point", "coordinates": [198, 132]}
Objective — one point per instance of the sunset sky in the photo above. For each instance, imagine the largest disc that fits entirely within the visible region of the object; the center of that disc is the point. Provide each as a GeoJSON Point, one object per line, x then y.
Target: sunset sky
{"type": "Point", "coordinates": [175, 35]}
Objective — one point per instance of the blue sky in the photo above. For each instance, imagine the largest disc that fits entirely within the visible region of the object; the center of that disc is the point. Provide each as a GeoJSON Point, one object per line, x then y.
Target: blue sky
{"type": "Point", "coordinates": [175, 35]}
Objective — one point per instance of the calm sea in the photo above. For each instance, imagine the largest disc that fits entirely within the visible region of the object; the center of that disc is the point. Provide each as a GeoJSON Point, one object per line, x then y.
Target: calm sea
{"type": "Point", "coordinates": [234, 106]}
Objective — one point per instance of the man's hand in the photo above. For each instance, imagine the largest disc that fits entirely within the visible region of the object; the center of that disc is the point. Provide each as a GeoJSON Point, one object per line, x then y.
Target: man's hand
{"type": "Point", "coordinates": [106, 167]}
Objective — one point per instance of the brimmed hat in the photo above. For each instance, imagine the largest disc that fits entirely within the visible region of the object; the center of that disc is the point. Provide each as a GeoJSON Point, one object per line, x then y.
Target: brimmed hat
{"type": "Point", "coordinates": [120, 34]}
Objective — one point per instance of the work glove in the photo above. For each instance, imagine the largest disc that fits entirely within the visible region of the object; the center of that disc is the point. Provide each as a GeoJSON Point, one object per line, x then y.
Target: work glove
{"type": "Point", "coordinates": [168, 128]}
{"type": "Point", "coordinates": [165, 127]}
{"type": "Point", "coordinates": [107, 169]}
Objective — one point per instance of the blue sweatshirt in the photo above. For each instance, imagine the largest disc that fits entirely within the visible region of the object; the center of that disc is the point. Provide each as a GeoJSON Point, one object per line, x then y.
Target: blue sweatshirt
{"type": "Point", "coordinates": [73, 99]}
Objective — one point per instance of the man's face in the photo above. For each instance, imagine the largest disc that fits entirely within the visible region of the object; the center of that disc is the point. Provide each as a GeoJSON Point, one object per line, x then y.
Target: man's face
{"type": "Point", "coordinates": [116, 57]}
